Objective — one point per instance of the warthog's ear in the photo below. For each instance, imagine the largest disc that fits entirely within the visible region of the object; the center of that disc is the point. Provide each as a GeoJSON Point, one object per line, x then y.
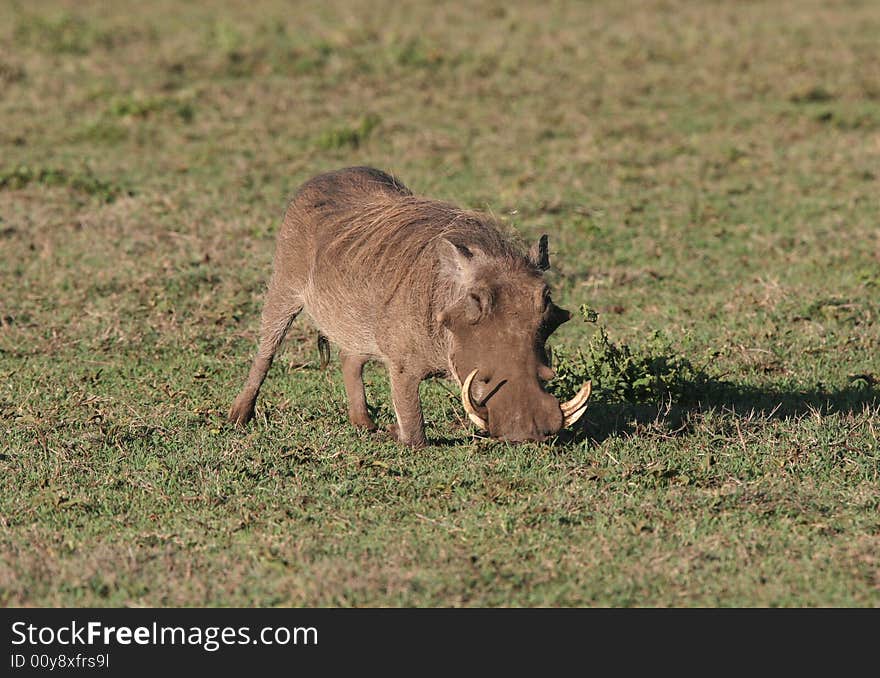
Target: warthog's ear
{"type": "Point", "coordinates": [539, 254]}
{"type": "Point", "coordinates": [457, 260]}
{"type": "Point", "coordinates": [475, 298]}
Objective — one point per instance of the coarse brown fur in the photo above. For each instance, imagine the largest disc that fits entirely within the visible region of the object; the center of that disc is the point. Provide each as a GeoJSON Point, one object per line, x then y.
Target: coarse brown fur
{"type": "Point", "coordinates": [423, 286]}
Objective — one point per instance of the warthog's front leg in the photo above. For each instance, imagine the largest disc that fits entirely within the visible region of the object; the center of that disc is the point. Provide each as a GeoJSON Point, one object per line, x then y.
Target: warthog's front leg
{"type": "Point", "coordinates": [353, 378]}
{"type": "Point", "coordinates": [410, 427]}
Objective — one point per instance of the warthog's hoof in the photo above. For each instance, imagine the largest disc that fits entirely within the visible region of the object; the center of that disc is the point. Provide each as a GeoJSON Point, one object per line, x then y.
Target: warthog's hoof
{"type": "Point", "coordinates": [362, 421]}
{"type": "Point", "coordinates": [242, 411]}
{"type": "Point", "coordinates": [416, 443]}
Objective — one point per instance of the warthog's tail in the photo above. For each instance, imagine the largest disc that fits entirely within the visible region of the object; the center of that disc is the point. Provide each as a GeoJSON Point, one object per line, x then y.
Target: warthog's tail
{"type": "Point", "coordinates": [323, 350]}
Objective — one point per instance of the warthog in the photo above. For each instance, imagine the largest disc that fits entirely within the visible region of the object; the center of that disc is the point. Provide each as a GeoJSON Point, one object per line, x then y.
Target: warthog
{"type": "Point", "coordinates": [425, 287]}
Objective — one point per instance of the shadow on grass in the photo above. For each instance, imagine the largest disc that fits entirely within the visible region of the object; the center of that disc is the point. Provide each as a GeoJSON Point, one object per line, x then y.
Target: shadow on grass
{"type": "Point", "coordinates": [606, 419]}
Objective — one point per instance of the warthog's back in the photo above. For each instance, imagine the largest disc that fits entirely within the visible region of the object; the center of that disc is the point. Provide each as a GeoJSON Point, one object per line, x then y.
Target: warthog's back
{"type": "Point", "coordinates": [362, 251]}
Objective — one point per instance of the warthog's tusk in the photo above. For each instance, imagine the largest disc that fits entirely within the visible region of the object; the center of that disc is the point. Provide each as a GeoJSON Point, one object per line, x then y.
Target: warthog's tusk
{"type": "Point", "coordinates": [468, 405]}
{"type": "Point", "coordinates": [574, 409]}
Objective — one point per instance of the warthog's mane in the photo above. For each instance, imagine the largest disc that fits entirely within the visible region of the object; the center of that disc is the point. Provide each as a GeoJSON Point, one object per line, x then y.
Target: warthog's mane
{"type": "Point", "coordinates": [403, 235]}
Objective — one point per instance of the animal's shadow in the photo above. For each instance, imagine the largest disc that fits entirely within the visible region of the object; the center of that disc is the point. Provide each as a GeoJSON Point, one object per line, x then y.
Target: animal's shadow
{"type": "Point", "coordinates": [607, 419]}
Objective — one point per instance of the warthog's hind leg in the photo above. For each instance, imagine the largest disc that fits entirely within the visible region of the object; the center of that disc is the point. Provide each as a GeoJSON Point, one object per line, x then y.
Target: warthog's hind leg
{"type": "Point", "coordinates": [279, 312]}
{"type": "Point", "coordinates": [353, 377]}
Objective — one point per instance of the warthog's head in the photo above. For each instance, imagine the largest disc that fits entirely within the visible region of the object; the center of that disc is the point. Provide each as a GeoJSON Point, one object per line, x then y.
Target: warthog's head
{"type": "Point", "coordinates": [499, 324]}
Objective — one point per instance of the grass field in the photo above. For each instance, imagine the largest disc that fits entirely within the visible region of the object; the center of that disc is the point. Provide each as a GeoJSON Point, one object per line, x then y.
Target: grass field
{"type": "Point", "coordinates": [709, 176]}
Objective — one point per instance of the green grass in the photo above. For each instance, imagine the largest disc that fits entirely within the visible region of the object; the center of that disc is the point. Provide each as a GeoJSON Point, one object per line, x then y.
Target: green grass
{"type": "Point", "coordinates": [79, 182]}
{"type": "Point", "coordinates": [707, 173]}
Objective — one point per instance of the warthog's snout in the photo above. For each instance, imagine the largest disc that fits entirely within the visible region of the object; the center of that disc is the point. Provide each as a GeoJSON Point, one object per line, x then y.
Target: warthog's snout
{"type": "Point", "coordinates": [541, 422]}
{"type": "Point", "coordinates": [521, 414]}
